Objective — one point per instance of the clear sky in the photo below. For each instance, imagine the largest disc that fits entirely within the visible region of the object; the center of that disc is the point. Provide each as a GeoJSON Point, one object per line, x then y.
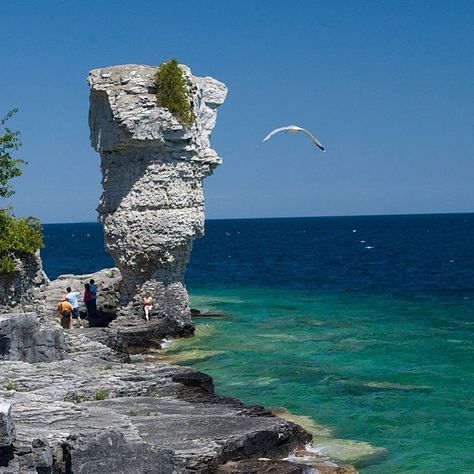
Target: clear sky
{"type": "Point", "coordinates": [386, 86]}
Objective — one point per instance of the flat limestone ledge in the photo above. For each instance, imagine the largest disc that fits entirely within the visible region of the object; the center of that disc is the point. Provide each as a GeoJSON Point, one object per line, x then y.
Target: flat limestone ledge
{"type": "Point", "coordinates": [90, 414]}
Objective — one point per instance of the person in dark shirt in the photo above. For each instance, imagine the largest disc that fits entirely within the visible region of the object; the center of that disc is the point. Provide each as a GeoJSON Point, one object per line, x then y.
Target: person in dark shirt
{"type": "Point", "coordinates": [93, 296]}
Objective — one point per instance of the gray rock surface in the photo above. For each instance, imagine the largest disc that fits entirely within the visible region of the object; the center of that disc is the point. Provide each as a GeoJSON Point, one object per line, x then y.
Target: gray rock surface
{"type": "Point", "coordinates": [22, 338]}
{"type": "Point", "coordinates": [255, 466]}
{"type": "Point", "coordinates": [152, 205]}
{"type": "Point", "coordinates": [7, 426]}
{"type": "Point", "coordinates": [110, 452]}
{"type": "Point", "coordinates": [90, 413]}
{"type": "Point", "coordinates": [18, 288]}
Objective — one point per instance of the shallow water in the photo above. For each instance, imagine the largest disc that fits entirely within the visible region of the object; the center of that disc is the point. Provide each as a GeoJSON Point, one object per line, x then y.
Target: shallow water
{"type": "Point", "coordinates": [395, 373]}
{"type": "Point", "coordinates": [363, 324]}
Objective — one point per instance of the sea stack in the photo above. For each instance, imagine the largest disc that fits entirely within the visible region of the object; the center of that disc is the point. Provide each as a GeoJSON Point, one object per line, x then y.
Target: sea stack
{"type": "Point", "coordinates": [152, 204]}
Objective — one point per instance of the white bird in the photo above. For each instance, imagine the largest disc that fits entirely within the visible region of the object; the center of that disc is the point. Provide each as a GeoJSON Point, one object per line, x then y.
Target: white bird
{"type": "Point", "coordinates": [294, 129]}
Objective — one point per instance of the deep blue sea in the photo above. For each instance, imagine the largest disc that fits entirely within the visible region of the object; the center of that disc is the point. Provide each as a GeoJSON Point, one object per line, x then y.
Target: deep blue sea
{"type": "Point", "coordinates": [363, 326]}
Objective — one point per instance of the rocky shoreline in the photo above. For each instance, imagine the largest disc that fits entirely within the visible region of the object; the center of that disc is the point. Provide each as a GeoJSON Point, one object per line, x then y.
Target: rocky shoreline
{"type": "Point", "coordinates": [72, 403]}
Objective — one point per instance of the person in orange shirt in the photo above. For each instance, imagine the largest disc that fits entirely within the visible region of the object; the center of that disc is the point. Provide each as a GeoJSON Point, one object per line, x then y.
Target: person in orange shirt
{"type": "Point", "coordinates": [65, 310]}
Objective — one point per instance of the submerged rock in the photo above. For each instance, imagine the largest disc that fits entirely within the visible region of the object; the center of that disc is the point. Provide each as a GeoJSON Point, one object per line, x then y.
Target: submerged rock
{"type": "Point", "coordinates": [152, 205]}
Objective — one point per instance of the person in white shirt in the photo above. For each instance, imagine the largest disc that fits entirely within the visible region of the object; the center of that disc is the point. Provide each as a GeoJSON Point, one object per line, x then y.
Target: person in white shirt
{"type": "Point", "coordinates": [72, 298]}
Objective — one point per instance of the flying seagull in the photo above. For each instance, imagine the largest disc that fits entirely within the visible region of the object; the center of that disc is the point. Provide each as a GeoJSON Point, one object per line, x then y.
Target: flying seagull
{"type": "Point", "coordinates": [294, 129]}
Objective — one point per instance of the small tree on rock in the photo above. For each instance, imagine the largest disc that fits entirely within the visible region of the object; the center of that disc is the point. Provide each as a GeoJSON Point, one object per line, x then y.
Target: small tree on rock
{"type": "Point", "coordinates": [172, 91]}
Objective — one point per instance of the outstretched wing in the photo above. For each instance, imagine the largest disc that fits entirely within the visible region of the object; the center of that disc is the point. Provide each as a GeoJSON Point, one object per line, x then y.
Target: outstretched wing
{"type": "Point", "coordinates": [313, 139]}
{"type": "Point", "coordinates": [281, 129]}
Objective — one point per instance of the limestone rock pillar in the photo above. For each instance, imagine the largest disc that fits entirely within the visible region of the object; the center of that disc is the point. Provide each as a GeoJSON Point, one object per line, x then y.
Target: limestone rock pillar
{"type": "Point", "coordinates": [152, 205]}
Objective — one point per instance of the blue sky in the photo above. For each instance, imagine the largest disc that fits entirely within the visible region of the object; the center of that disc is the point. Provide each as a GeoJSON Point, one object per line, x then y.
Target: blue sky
{"type": "Point", "coordinates": [387, 87]}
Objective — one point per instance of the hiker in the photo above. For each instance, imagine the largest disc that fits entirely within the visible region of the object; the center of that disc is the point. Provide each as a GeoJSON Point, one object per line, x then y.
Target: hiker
{"type": "Point", "coordinates": [147, 305]}
{"type": "Point", "coordinates": [72, 298]}
{"type": "Point", "coordinates": [65, 310]}
{"type": "Point", "coordinates": [93, 290]}
{"type": "Point", "coordinates": [88, 301]}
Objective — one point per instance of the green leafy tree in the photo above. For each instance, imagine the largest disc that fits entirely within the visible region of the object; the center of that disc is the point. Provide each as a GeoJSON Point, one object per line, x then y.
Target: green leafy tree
{"type": "Point", "coordinates": [172, 91]}
{"type": "Point", "coordinates": [17, 236]}
{"type": "Point", "coordinates": [9, 169]}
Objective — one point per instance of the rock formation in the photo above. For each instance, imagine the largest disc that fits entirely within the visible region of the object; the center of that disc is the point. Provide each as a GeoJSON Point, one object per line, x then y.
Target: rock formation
{"type": "Point", "coordinates": [19, 287]}
{"type": "Point", "coordinates": [152, 205]}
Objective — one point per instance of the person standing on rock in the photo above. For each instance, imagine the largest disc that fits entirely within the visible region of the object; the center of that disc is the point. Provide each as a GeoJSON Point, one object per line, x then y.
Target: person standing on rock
{"type": "Point", "coordinates": [93, 290]}
{"type": "Point", "coordinates": [65, 310]}
{"type": "Point", "coordinates": [147, 305]}
{"type": "Point", "coordinates": [89, 302]}
{"type": "Point", "coordinates": [72, 298]}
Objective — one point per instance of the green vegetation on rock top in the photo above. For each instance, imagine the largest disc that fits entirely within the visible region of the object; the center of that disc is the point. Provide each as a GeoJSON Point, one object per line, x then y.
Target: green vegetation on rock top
{"type": "Point", "coordinates": [172, 91]}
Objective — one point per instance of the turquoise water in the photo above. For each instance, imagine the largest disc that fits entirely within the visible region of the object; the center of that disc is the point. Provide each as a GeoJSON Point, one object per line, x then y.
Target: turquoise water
{"type": "Point", "coordinates": [397, 373]}
{"type": "Point", "coordinates": [363, 324]}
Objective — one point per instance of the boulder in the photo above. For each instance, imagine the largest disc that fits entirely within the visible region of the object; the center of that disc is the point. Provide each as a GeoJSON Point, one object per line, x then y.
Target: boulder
{"type": "Point", "coordinates": [23, 338]}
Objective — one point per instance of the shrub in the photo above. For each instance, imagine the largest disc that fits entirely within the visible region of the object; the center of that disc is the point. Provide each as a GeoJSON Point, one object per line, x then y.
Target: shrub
{"type": "Point", "coordinates": [101, 394]}
{"type": "Point", "coordinates": [17, 237]}
{"type": "Point", "coordinates": [172, 91]}
{"type": "Point", "coordinates": [9, 385]}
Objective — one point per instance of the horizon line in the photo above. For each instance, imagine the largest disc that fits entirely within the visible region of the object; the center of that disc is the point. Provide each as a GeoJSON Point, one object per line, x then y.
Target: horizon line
{"type": "Point", "coordinates": [296, 217]}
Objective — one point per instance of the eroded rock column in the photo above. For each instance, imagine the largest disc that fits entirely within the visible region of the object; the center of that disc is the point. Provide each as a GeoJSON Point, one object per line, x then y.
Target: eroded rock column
{"type": "Point", "coordinates": [152, 205]}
